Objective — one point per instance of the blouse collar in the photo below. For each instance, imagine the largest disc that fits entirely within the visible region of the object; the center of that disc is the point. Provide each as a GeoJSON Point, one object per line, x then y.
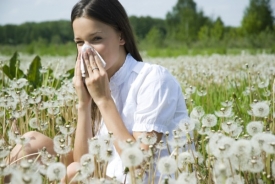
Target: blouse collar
{"type": "Point", "coordinates": [123, 73]}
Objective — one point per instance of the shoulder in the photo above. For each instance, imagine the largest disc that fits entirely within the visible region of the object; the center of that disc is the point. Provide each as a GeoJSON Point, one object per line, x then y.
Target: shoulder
{"type": "Point", "coordinates": [156, 73]}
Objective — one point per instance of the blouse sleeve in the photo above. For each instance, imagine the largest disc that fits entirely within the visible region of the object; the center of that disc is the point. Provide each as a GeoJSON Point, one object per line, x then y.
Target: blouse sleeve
{"type": "Point", "coordinates": [159, 100]}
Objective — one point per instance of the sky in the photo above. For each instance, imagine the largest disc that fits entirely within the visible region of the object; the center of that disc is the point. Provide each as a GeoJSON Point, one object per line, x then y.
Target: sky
{"type": "Point", "coordinates": [20, 11]}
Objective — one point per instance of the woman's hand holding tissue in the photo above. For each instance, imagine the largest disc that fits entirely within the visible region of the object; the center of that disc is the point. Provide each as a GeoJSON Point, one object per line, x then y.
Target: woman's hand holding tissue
{"type": "Point", "coordinates": [91, 79]}
{"type": "Point", "coordinates": [97, 81]}
{"type": "Point", "coordinates": [84, 98]}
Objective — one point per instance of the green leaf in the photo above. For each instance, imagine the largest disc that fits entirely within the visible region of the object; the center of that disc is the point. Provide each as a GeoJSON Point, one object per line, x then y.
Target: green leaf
{"type": "Point", "coordinates": [71, 73]}
{"type": "Point", "coordinates": [6, 70]}
{"type": "Point", "coordinates": [12, 68]}
{"type": "Point", "coordinates": [34, 76]}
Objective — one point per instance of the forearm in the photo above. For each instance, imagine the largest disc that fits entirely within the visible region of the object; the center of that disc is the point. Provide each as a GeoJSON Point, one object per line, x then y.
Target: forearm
{"type": "Point", "coordinates": [83, 132]}
{"type": "Point", "coordinates": [114, 123]}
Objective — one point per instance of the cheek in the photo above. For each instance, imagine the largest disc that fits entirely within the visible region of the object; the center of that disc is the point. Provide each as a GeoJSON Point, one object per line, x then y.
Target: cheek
{"type": "Point", "coordinates": [104, 51]}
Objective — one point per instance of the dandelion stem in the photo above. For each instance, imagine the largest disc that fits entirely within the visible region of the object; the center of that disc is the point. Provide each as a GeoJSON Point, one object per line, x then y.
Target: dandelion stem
{"type": "Point", "coordinates": [104, 169]}
{"type": "Point", "coordinates": [24, 157]}
{"type": "Point", "coordinates": [231, 169]}
{"type": "Point", "coordinates": [166, 141]}
{"type": "Point", "coordinates": [155, 170]}
{"type": "Point", "coordinates": [132, 173]}
{"type": "Point", "coordinates": [74, 177]}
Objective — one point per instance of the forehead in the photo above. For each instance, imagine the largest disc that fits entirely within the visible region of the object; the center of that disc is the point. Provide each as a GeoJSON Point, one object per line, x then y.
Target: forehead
{"type": "Point", "coordinates": [83, 26]}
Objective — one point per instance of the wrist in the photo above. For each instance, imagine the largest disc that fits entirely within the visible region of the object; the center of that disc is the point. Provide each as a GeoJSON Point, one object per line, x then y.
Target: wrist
{"type": "Point", "coordinates": [82, 105]}
{"type": "Point", "coordinates": [107, 102]}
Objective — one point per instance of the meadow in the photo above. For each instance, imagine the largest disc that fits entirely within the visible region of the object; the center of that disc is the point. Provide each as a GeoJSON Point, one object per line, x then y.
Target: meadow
{"type": "Point", "coordinates": [229, 138]}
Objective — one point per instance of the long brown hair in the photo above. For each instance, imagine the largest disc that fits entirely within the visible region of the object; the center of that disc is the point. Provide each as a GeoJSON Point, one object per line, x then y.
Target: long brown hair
{"type": "Point", "coordinates": [110, 12]}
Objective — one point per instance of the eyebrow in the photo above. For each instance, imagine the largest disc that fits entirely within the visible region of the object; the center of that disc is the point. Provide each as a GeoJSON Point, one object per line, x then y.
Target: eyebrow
{"type": "Point", "coordinates": [92, 34]}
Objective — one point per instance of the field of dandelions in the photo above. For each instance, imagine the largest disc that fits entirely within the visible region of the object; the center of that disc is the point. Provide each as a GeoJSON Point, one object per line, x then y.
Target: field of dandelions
{"type": "Point", "coordinates": [229, 138]}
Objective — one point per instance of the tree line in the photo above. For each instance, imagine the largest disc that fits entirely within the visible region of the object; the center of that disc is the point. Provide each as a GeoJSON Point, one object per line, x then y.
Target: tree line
{"type": "Point", "coordinates": [184, 25]}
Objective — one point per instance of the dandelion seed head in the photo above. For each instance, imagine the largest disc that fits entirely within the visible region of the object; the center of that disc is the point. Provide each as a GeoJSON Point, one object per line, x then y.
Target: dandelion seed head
{"type": "Point", "coordinates": [4, 151]}
{"type": "Point", "coordinates": [22, 140]}
{"type": "Point", "coordinates": [96, 145]}
{"type": "Point", "coordinates": [187, 178]}
{"type": "Point", "coordinates": [209, 120]}
{"type": "Point", "coordinates": [254, 127]}
{"type": "Point", "coordinates": [131, 157]}
{"type": "Point", "coordinates": [149, 139]}
{"type": "Point", "coordinates": [229, 126]}
{"type": "Point", "coordinates": [242, 147]}
{"type": "Point", "coordinates": [223, 148]}
{"type": "Point", "coordinates": [56, 171]}
{"type": "Point", "coordinates": [237, 179]}
{"type": "Point", "coordinates": [184, 158]}
{"type": "Point", "coordinates": [197, 112]}
{"type": "Point", "coordinates": [255, 165]}
{"type": "Point", "coordinates": [167, 165]}
{"type": "Point", "coordinates": [33, 123]}
{"type": "Point", "coordinates": [222, 168]}
{"type": "Point", "coordinates": [4, 169]}
{"type": "Point", "coordinates": [269, 144]}
{"type": "Point", "coordinates": [87, 164]}
{"type": "Point", "coordinates": [67, 129]}
{"type": "Point", "coordinates": [187, 125]}
{"type": "Point", "coordinates": [177, 142]}
{"type": "Point", "coordinates": [260, 109]}
{"type": "Point", "coordinates": [224, 112]}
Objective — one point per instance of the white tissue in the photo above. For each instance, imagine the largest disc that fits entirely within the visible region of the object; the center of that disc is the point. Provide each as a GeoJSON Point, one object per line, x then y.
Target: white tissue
{"type": "Point", "coordinates": [83, 49]}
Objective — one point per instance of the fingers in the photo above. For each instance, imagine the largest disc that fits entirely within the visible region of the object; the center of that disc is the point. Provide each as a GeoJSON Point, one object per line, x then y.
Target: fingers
{"type": "Point", "coordinates": [90, 62]}
{"type": "Point", "coordinates": [99, 61]}
{"type": "Point", "coordinates": [77, 71]}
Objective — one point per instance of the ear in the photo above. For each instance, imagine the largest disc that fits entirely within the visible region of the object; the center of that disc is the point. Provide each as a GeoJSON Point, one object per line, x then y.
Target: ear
{"type": "Point", "coordinates": [121, 39]}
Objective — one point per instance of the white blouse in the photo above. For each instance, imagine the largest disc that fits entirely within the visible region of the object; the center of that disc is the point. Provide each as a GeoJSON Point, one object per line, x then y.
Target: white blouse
{"type": "Point", "coordinates": [148, 98]}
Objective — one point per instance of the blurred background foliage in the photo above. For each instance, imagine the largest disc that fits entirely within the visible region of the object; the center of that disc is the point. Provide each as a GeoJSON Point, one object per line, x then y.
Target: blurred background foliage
{"type": "Point", "coordinates": [185, 30]}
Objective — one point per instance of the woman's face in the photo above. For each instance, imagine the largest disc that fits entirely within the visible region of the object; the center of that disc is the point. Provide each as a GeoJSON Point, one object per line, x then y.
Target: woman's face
{"type": "Point", "coordinates": [103, 38]}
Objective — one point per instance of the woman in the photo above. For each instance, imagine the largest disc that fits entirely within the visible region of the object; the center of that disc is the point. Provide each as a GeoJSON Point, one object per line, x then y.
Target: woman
{"type": "Point", "coordinates": [126, 97]}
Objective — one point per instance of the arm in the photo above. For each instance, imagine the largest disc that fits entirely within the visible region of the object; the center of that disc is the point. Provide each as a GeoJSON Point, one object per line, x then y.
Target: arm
{"type": "Point", "coordinates": [115, 124]}
{"type": "Point", "coordinates": [83, 129]}
{"type": "Point", "coordinates": [83, 132]}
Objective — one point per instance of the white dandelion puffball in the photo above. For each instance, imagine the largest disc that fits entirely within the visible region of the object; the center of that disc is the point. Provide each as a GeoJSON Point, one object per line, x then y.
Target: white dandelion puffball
{"type": "Point", "coordinates": [56, 171]}
{"type": "Point", "coordinates": [209, 120]}
{"type": "Point", "coordinates": [254, 127]}
{"type": "Point", "coordinates": [242, 147]}
{"type": "Point", "coordinates": [187, 178]}
{"type": "Point", "coordinates": [185, 158]}
{"type": "Point", "coordinates": [131, 157]}
{"type": "Point", "coordinates": [223, 148]}
{"type": "Point", "coordinates": [187, 125]}
{"type": "Point", "coordinates": [229, 126]}
{"type": "Point", "coordinates": [148, 139]}
{"type": "Point", "coordinates": [269, 144]}
{"type": "Point", "coordinates": [167, 165]}
{"type": "Point", "coordinates": [260, 109]}
{"type": "Point", "coordinates": [237, 179]}
{"type": "Point", "coordinates": [258, 140]}
{"type": "Point", "coordinates": [197, 112]}
{"type": "Point", "coordinates": [255, 165]}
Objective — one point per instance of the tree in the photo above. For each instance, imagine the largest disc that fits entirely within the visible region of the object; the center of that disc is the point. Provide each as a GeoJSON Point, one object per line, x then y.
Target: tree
{"type": "Point", "coordinates": [257, 17]}
{"type": "Point", "coordinates": [184, 21]}
{"type": "Point", "coordinates": [154, 37]}
{"type": "Point", "coordinates": [142, 25]}
{"type": "Point", "coordinates": [218, 29]}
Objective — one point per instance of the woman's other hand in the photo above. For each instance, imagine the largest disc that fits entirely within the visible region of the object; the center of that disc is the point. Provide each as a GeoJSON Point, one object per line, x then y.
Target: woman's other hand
{"type": "Point", "coordinates": [84, 98]}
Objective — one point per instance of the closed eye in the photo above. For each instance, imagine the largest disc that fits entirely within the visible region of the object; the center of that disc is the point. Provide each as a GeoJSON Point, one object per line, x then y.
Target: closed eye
{"type": "Point", "coordinates": [97, 38]}
{"type": "Point", "coordinates": [79, 43]}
